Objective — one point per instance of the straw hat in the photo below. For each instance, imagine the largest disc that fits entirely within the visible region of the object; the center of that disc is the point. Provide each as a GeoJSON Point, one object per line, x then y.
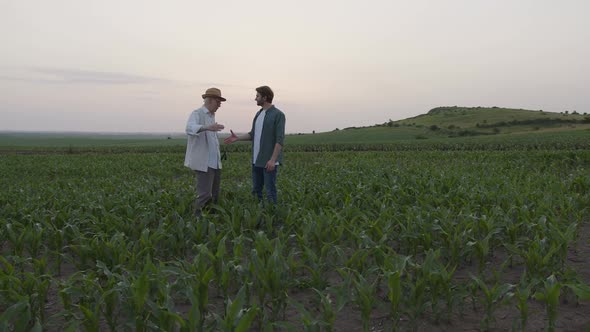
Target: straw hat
{"type": "Point", "coordinates": [213, 92]}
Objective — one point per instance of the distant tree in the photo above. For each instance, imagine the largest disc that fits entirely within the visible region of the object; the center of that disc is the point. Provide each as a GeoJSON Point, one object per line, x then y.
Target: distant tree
{"type": "Point", "coordinates": [434, 127]}
{"type": "Point", "coordinates": [313, 132]}
{"type": "Point", "coordinates": [496, 130]}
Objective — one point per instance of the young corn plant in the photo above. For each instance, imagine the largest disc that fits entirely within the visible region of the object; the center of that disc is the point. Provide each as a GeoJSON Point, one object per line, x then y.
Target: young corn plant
{"type": "Point", "coordinates": [269, 272]}
{"type": "Point", "coordinates": [522, 294]}
{"type": "Point", "coordinates": [580, 290]}
{"type": "Point", "coordinates": [19, 299]}
{"type": "Point", "coordinates": [81, 296]}
{"type": "Point", "coordinates": [513, 231]}
{"type": "Point", "coordinates": [34, 239]}
{"type": "Point", "coordinates": [441, 285]}
{"type": "Point", "coordinates": [393, 272]}
{"type": "Point", "coordinates": [549, 295]}
{"type": "Point", "coordinates": [455, 245]}
{"type": "Point", "coordinates": [310, 321]}
{"type": "Point", "coordinates": [315, 265]}
{"type": "Point", "coordinates": [238, 316]}
{"type": "Point", "coordinates": [221, 267]}
{"type": "Point", "coordinates": [563, 239]}
{"type": "Point", "coordinates": [327, 309]}
{"type": "Point", "coordinates": [110, 301]}
{"type": "Point", "coordinates": [343, 291]}
{"type": "Point", "coordinates": [69, 296]}
{"type": "Point", "coordinates": [161, 304]}
{"type": "Point", "coordinates": [364, 297]}
{"type": "Point", "coordinates": [16, 234]}
{"type": "Point", "coordinates": [18, 317]}
{"type": "Point", "coordinates": [38, 288]}
{"type": "Point", "coordinates": [327, 313]}
{"type": "Point", "coordinates": [91, 317]}
{"type": "Point", "coordinates": [139, 289]}
{"type": "Point", "coordinates": [56, 244]}
{"type": "Point", "coordinates": [493, 297]}
{"type": "Point", "coordinates": [483, 249]}
{"type": "Point", "coordinates": [201, 274]}
{"type": "Point", "coordinates": [358, 261]}
{"type": "Point", "coordinates": [417, 301]}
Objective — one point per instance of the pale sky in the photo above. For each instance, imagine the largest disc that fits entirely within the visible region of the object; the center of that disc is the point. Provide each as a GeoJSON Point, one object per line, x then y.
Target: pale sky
{"type": "Point", "coordinates": [141, 66]}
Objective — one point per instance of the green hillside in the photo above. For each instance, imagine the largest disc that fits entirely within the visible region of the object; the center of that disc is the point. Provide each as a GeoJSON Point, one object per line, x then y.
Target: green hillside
{"type": "Point", "coordinates": [470, 117]}
{"type": "Point", "coordinates": [451, 122]}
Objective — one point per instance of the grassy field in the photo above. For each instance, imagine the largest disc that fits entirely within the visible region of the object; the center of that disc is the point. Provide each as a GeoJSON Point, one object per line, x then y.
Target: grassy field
{"type": "Point", "coordinates": [372, 139]}
{"type": "Point", "coordinates": [39, 141]}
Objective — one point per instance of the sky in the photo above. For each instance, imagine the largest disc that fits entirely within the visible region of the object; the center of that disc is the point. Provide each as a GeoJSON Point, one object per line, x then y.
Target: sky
{"type": "Point", "coordinates": [142, 66]}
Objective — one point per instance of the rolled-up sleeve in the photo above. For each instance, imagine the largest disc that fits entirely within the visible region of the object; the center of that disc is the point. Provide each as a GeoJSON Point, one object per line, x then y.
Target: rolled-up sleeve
{"type": "Point", "coordinates": [280, 129]}
{"type": "Point", "coordinates": [193, 124]}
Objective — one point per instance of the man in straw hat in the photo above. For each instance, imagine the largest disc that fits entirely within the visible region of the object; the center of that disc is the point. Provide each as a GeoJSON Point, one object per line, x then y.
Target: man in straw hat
{"type": "Point", "coordinates": [202, 149]}
{"type": "Point", "coordinates": [267, 136]}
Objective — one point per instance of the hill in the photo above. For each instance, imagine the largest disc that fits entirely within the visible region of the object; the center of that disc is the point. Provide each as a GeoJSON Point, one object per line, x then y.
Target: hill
{"type": "Point", "coordinates": [480, 117]}
{"type": "Point", "coordinates": [450, 122]}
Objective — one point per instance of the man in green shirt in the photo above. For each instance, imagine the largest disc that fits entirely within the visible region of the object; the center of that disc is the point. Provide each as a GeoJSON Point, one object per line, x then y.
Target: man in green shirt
{"type": "Point", "coordinates": [267, 136]}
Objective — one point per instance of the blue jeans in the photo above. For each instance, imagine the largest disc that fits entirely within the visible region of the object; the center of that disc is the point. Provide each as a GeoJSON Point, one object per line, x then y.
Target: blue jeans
{"type": "Point", "coordinates": [262, 178]}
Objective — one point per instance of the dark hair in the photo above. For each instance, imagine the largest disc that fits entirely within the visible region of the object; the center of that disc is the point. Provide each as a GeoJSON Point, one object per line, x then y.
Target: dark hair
{"type": "Point", "coordinates": [265, 91]}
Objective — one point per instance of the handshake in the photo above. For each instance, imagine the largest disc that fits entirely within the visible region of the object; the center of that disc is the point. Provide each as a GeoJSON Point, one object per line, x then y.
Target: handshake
{"type": "Point", "coordinates": [217, 127]}
{"type": "Point", "coordinates": [214, 127]}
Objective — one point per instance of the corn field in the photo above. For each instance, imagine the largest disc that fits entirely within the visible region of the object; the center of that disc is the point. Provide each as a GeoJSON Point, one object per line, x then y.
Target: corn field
{"type": "Point", "coordinates": [360, 241]}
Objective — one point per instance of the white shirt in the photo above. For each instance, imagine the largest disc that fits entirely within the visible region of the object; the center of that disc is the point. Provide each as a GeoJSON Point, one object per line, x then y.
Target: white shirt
{"type": "Point", "coordinates": [202, 149]}
{"type": "Point", "coordinates": [257, 135]}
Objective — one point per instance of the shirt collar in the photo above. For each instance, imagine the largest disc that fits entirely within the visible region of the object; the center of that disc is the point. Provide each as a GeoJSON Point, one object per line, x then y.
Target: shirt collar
{"type": "Point", "coordinates": [204, 110]}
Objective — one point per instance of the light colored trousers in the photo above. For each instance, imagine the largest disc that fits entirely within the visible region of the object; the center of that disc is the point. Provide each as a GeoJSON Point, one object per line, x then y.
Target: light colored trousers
{"type": "Point", "coordinates": [207, 187]}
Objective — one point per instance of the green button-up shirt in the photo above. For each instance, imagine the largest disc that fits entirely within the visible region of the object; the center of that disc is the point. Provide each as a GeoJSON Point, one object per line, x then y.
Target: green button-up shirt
{"type": "Point", "coordinates": [273, 132]}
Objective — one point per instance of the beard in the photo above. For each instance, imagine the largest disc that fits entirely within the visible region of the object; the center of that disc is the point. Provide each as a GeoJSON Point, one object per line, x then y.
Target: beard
{"type": "Point", "coordinates": [259, 103]}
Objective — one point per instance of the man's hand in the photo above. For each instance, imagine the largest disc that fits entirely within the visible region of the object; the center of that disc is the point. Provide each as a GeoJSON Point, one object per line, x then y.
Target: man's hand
{"type": "Point", "coordinates": [231, 139]}
{"type": "Point", "coordinates": [270, 165]}
{"type": "Point", "coordinates": [215, 127]}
